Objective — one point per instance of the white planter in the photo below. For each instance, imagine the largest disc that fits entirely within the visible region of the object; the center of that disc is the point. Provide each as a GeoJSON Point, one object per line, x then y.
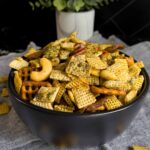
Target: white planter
{"type": "Point", "coordinates": [80, 22]}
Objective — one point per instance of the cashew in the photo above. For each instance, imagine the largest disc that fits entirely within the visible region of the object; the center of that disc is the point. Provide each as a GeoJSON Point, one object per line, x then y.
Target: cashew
{"type": "Point", "coordinates": [44, 73]}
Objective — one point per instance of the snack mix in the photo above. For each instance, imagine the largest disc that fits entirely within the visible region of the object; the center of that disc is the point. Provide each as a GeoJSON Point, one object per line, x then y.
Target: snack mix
{"type": "Point", "coordinates": [72, 75]}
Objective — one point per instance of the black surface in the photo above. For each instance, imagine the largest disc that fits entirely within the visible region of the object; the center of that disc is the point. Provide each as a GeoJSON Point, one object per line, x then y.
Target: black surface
{"type": "Point", "coordinates": [89, 128]}
{"type": "Point", "coordinates": [128, 19]}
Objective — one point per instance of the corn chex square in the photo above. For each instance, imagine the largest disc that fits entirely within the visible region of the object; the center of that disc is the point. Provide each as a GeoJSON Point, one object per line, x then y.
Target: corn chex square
{"type": "Point", "coordinates": [83, 97]}
{"type": "Point", "coordinates": [137, 82]}
{"type": "Point", "coordinates": [63, 108]}
{"type": "Point", "coordinates": [120, 69]}
{"type": "Point", "coordinates": [18, 63]}
{"type": "Point", "coordinates": [67, 99]}
{"type": "Point", "coordinates": [62, 89]}
{"type": "Point", "coordinates": [59, 75]}
{"type": "Point", "coordinates": [93, 80]}
{"type": "Point", "coordinates": [96, 63]}
{"type": "Point", "coordinates": [112, 102]}
{"type": "Point", "coordinates": [76, 83]}
{"type": "Point", "coordinates": [63, 54]}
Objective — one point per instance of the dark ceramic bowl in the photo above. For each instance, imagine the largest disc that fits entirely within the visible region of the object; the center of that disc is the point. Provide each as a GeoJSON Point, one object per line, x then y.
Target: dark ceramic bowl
{"type": "Point", "coordinates": [88, 128]}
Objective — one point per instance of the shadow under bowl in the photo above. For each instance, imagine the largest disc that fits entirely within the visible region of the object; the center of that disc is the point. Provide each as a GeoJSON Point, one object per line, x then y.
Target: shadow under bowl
{"type": "Point", "coordinates": [86, 129]}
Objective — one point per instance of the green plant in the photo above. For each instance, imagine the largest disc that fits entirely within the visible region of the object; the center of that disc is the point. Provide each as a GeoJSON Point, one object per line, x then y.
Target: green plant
{"type": "Point", "coordinates": [69, 5]}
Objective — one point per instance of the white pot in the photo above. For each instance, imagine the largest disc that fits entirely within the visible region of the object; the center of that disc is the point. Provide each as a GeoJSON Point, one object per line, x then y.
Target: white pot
{"type": "Point", "coordinates": [80, 22]}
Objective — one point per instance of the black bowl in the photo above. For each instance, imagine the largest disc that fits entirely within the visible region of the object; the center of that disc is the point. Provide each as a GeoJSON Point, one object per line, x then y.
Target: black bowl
{"type": "Point", "coordinates": [88, 128]}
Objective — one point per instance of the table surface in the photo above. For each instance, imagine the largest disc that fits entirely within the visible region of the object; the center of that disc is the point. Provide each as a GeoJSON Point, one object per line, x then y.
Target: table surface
{"type": "Point", "coordinates": [14, 135]}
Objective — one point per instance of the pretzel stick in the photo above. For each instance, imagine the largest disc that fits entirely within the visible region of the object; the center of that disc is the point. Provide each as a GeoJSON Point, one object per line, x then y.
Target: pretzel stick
{"type": "Point", "coordinates": [99, 104]}
{"type": "Point", "coordinates": [101, 90]}
{"type": "Point", "coordinates": [115, 47]}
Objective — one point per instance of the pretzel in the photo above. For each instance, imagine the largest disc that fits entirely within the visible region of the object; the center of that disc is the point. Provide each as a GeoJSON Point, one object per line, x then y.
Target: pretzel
{"type": "Point", "coordinates": [30, 88]}
{"type": "Point", "coordinates": [24, 73]}
{"type": "Point", "coordinates": [114, 47]}
{"type": "Point", "coordinates": [97, 106]}
{"type": "Point", "coordinates": [37, 54]}
{"type": "Point", "coordinates": [79, 49]}
{"type": "Point", "coordinates": [101, 90]}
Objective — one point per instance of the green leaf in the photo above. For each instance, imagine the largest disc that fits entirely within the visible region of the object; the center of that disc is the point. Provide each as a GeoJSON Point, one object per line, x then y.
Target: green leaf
{"type": "Point", "coordinates": [60, 4]}
{"type": "Point", "coordinates": [37, 4]}
{"type": "Point", "coordinates": [91, 2]}
{"type": "Point", "coordinates": [32, 5]}
{"type": "Point", "coordinates": [45, 3]}
{"type": "Point", "coordinates": [70, 5]}
{"type": "Point", "coordinates": [78, 4]}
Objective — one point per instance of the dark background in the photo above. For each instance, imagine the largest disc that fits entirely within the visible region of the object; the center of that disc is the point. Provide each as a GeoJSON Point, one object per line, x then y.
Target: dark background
{"type": "Point", "coordinates": [127, 19]}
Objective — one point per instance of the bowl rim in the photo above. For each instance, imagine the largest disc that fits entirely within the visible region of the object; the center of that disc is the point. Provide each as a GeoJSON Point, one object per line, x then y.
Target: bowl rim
{"type": "Point", "coordinates": [139, 97]}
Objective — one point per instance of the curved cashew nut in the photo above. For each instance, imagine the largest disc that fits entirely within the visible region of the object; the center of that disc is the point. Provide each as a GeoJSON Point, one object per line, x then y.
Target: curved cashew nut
{"type": "Point", "coordinates": [44, 73]}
